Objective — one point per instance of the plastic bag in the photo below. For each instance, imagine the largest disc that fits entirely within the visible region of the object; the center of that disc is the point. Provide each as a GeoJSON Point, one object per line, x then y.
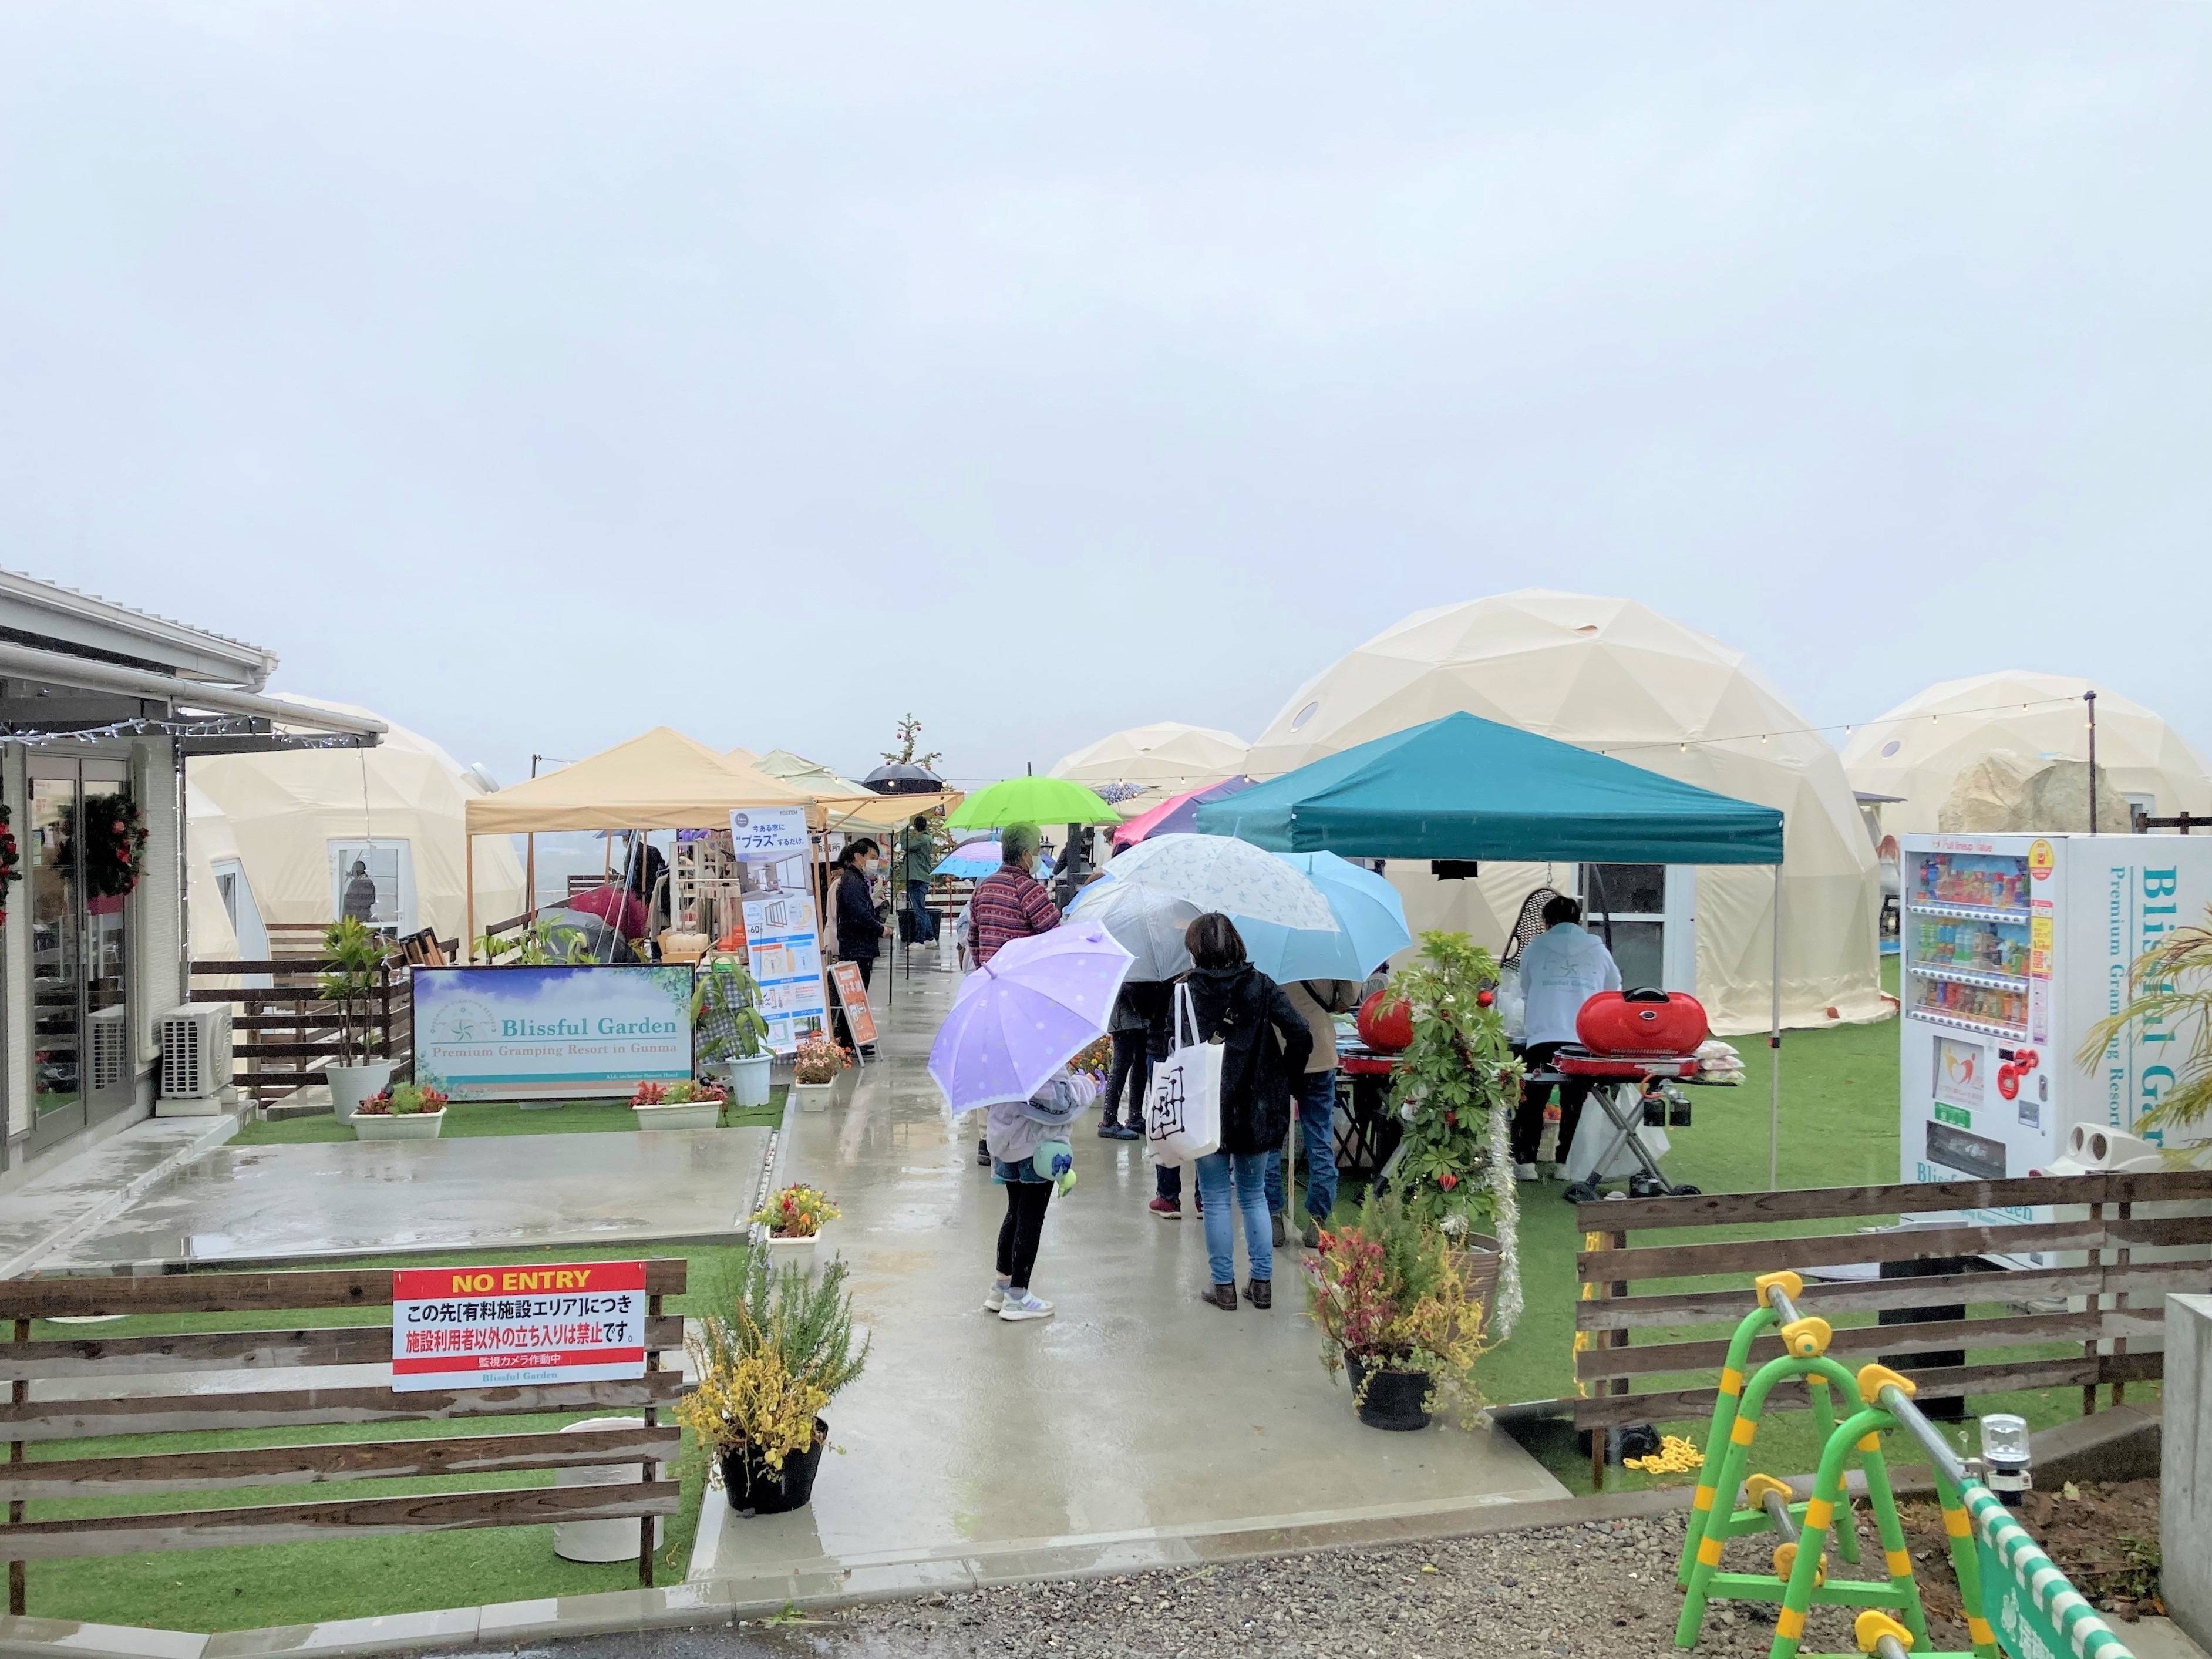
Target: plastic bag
{"type": "Point", "coordinates": [1592, 1133]}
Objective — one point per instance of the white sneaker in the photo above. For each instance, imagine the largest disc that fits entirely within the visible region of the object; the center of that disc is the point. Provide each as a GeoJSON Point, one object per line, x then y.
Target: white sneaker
{"type": "Point", "coordinates": [996, 1299]}
{"type": "Point", "coordinates": [1027, 1306]}
{"type": "Point", "coordinates": [1524, 1172]}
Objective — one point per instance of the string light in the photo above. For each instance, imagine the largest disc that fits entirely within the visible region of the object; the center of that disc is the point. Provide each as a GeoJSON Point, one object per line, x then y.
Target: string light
{"type": "Point", "coordinates": [234, 725]}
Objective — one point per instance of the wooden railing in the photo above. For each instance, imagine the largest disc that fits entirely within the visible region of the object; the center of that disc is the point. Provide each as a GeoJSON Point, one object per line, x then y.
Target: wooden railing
{"type": "Point", "coordinates": [284, 1032]}
{"type": "Point", "coordinates": [1675, 1376]}
{"type": "Point", "coordinates": [99, 1372]}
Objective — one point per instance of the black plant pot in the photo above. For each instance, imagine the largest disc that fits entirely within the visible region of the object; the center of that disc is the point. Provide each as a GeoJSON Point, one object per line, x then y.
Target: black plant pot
{"type": "Point", "coordinates": [756, 1489]}
{"type": "Point", "coordinates": [1389, 1399]}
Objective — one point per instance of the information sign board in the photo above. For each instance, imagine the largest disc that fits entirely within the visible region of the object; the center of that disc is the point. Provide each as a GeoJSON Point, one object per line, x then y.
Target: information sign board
{"type": "Point", "coordinates": [853, 998]}
{"type": "Point", "coordinates": [570, 1321]}
{"type": "Point", "coordinates": [551, 1033]}
{"type": "Point", "coordinates": [783, 948]}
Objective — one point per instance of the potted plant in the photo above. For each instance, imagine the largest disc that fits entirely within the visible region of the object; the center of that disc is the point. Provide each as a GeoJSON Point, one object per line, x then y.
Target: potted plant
{"type": "Point", "coordinates": [406, 1111]}
{"type": "Point", "coordinates": [1397, 1310]}
{"type": "Point", "coordinates": [351, 956]}
{"type": "Point", "coordinates": [795, 1216]}
{"type": "Point", "coordinates": [814, 1070]}
{"type": "Point", "coordinates": [678, 1105]}
{"type": "Point", "coordinates": [1455, 1088]}
{"type": "Point", "coordinates": [731, 1036]}
{"type": "Point", "coordinates": [775, 1348]}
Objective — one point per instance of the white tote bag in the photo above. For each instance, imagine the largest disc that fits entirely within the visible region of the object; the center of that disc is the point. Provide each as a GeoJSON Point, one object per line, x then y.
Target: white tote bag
{"type": "Point", "coordinates": [1595, 1130]}
{"type": "Point", "coordinates": [1183, 1112]}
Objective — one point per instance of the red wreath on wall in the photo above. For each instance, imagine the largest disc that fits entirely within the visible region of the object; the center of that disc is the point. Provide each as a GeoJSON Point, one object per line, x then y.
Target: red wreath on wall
{"type": "Point", "coordinates": [114, 845]}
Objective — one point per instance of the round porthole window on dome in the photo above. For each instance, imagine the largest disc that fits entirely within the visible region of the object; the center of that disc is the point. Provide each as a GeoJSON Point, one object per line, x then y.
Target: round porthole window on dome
{"type": "Point", "coordinates": [1891, 748]}
{"type": "Point", "coordinates": [1298, 720]}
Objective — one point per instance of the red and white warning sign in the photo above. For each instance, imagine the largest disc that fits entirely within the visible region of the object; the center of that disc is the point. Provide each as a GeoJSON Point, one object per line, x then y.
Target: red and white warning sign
{"type": "Point", "coordinates": [573, 1321]}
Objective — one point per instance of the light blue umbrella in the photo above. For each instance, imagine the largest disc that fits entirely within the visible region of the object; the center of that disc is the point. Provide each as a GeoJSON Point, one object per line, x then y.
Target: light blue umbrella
{"type": "Point", "coordinates": [1366, 907]}
{"type": "Point", "coordinates": [971, 860]}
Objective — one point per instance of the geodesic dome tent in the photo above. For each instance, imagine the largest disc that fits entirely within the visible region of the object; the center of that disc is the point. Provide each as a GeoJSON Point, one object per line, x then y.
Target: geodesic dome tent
{"type": "Point", "coordinates": [300, 819]}
{"type": "Point", "coordinates": [1161, 759]}
{"type": "Point", "coordinates": [1924, 748]}
{"type": "Point", "coordinates": [1614, 675]}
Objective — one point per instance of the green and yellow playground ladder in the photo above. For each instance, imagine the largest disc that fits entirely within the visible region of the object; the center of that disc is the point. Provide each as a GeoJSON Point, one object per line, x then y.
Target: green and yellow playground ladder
{"type": "Point", "coordinates": [2037, 1613]}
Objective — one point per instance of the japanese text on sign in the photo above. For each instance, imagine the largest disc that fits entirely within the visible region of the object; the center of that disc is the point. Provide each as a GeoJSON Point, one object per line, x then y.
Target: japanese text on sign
{"type": "Point", "coordinates": [769, 835]}
{"type": "Point", "coordinates": [577, 1322]}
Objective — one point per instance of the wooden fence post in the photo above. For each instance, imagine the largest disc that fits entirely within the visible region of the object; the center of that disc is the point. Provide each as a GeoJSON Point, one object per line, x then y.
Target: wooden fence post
{"type": "Point", "coordinates": [645, 1523]}
{"type": "Point", "coordinates": [21, 1394]}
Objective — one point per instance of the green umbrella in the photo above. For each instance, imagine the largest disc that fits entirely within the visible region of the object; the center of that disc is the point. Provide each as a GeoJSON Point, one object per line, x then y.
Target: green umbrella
{"type": "Point", "coordinates": [1031, 800]}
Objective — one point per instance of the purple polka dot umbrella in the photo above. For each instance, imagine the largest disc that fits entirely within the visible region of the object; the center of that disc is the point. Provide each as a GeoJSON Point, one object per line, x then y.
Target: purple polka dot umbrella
{"type": "Point", "coordinates": [1024, 1014]}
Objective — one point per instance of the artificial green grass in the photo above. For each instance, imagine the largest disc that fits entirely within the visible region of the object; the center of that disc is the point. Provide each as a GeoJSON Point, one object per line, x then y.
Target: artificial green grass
{"type": "Point", "coordinates": [1839, 1127]}
{"type": "Point", "coordinates": [468, 1118]}
{"type": "Point", "coordinates": [350, 1576]}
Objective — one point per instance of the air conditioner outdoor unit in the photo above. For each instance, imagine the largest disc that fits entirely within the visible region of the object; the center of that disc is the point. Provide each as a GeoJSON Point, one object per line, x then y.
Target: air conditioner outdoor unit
{"type": "Point", "coordinates": [195, 1059]}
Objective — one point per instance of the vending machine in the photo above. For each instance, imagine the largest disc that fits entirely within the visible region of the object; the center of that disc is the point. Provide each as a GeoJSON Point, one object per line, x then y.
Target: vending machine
{"type": "Point", "coordinates": [2014, 946]}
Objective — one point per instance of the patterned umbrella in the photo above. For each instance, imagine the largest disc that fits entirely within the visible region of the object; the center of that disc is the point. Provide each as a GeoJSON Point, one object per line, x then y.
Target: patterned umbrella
{"type": "Point", "coordinates": [1024, 1014]}
{"type": "Point", "coordinates": [1149, 923]}
{"type": "Point", "coordinates": [1216, 872]}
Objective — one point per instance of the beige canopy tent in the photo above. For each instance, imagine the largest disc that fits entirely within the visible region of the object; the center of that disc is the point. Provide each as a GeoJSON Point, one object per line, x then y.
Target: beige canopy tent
{"type": "Point", "coordinates": [1158, 760]}
{"type": "Point", "coordinates": [812, 776]}
{"type": "Point", "coordinates": [1929, 746]}
{"type": "Point", "coordinates": [299, 820]}
{"type": "Point", "coordinates": [662, 781]}
{"type": "Point", "coordinates": [1613, 675]}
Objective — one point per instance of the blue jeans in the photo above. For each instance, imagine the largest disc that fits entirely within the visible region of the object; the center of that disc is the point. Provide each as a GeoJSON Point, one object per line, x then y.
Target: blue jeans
{"type": "Point", "coordinates": [925, 919]}
{"type": "Point", "coordinates": [1247, 1171]}
{"type": "Point", "coordinates": [1316, 1095]}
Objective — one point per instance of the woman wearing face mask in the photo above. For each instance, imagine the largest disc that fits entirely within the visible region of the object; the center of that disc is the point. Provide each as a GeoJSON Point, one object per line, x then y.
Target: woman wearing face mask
{"type": "Point", "coordinates": [860, 929]}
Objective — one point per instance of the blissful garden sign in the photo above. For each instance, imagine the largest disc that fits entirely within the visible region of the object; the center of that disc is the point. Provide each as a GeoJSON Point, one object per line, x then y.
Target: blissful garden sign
{"type": "Point", "coordinates": [570, 1321]}
{"type": "Point", "coordinates": [560, 1033]}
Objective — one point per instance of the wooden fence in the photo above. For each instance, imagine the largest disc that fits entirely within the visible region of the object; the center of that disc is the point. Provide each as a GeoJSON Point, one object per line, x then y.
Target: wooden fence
{"type": "Point", "coordinates": [1629, 1382]}
{"type": "Point", "coordinates": [284, 1032]}
{"type": "Point", "coordinates": [105, 1366]}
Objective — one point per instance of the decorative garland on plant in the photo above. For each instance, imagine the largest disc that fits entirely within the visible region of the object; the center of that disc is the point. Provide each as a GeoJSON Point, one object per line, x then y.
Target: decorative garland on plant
{"type": "Point", "coordinates": [11, 858]}
{"type": "Point", "coordinates": [1505, 1212]}
{"type": "Point", "coordinates": [114, 845]}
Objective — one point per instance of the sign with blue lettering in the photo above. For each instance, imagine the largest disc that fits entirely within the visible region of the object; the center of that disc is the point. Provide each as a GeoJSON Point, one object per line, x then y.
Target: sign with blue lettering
{"type": "Point", "coordinates": [769, 835]}
{"type": "Point", "coordinates": [551, 1033]}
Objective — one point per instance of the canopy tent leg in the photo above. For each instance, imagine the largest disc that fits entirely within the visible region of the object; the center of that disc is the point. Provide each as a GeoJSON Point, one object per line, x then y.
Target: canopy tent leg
{"type": "Point", "coordinates": [1774, 1051]}
{"type": "Point", "coordinates": [530, 876]}
{"type": "Point", "coordinates": [469, 899]}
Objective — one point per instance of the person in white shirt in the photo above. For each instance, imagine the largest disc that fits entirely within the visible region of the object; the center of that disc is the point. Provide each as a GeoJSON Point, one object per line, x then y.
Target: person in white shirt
{"type": "Point", "coordinates": [1562, 969]}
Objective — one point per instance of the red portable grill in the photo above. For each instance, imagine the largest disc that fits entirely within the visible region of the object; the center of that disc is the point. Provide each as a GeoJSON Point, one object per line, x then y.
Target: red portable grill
{"type": "Point", "coordinates": [1630, 1039]}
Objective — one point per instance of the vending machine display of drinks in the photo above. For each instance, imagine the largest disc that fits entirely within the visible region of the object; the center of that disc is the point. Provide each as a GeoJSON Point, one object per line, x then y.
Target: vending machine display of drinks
{"type": "Point", "coordinates": [2014, 946]}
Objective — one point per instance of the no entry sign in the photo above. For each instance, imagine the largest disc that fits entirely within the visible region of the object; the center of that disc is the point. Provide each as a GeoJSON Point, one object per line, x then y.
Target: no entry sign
{"type": "Point", "coordinates": [573, 1322]}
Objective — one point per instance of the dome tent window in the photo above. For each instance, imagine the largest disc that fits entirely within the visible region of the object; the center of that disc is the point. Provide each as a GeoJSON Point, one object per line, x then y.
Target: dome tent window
{"type": "Point", "coordinates": [372, 880]}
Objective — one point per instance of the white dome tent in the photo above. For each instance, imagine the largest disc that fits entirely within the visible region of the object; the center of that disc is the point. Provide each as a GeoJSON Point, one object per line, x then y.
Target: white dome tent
{"type": "Point", "coordinates": [1920, 750]}
{"type": "Point", "coordinates": [1613, 675]}
{"type": "Point", "coordinates": [299, 820]}
{"type": "Point", "coordinates": [217, 886]}
{"type": "Point", "coordinates": [1158, 760]}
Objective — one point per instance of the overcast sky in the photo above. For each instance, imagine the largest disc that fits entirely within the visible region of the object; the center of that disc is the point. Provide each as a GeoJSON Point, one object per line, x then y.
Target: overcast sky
{"type": "Point", "coordinates": [536, 372]}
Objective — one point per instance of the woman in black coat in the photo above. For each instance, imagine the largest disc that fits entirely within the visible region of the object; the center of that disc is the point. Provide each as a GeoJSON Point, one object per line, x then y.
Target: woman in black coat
{"type": "Point", "coordinates": [1265, 1045]}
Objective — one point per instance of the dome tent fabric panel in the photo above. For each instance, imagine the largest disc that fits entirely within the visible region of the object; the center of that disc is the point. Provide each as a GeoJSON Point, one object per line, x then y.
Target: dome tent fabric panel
{"type": "Point", "coordinates": [1919, 750]}
{"type": "Point", "coordinates": [1613, 675]}
{"type": "Point", "coordinates": [284, 808]}
{"type": "Point", "coordinates": [1166, 755]}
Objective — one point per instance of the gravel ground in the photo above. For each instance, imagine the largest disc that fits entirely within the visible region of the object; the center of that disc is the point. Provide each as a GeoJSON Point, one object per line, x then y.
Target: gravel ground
{"type": "Point", "coordinates": [1603, 1590]}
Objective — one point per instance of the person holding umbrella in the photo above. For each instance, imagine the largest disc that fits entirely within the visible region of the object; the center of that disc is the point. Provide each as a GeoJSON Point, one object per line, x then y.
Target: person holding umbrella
{"type": "Point", "coordinates": [1015, 1025]}
{"type": "Point", "coordinates": [1267, 1044]}
{"type": "Point", "coordinates": [1008, 904]}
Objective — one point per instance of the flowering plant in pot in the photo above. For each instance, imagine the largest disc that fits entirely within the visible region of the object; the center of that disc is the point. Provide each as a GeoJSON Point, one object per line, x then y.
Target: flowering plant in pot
{"type": "Point", "coordinates": [682, 1105]}
{"type": "Point", "coordinates": [1398, 1311]}
{"type": "Point", "coordinates": [773, 1350]}
{"type": "Point", "coordinates": [406, 1111]}
{"type": "Point", "coordinates": [351, 957]}
{"type": "Point", "coordinates": [817, 1062]}
{"type": "Point", "coordinates": [1455, 1088]}
{"type": "Point", "coordinates": [796, 1214]}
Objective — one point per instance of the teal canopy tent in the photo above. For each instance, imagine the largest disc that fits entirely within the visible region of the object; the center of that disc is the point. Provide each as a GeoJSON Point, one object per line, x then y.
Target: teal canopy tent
{"type": "Point", "coordinates": [1464, 787]}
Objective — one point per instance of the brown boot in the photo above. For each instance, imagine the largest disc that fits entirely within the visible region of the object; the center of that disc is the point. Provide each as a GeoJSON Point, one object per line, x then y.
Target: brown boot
{"type": "Point", "coordinates": [1259, 1292]}
{"type": "Point", "coordinates": [1223, 1297]}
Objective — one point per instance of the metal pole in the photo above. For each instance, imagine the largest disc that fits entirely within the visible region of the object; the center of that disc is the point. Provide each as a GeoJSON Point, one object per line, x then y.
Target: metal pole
{"type": "Point", "coordinates": [1774, 1051]}
{"type": "Point", "coordinates": [2090, 698]}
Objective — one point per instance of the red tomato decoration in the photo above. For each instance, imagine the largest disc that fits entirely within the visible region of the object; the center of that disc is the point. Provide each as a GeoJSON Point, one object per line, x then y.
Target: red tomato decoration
{"type": "Point", "coordinates": [1386, 1026]}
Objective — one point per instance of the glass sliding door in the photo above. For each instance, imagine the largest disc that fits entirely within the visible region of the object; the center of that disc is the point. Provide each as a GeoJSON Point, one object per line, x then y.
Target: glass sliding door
{"type": "Point", "coordinates": [57, 960]}
{"type": "Point", "coordinates": [82, 1069]}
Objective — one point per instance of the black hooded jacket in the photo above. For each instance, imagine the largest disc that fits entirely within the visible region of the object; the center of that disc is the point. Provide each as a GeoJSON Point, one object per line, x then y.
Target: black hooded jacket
{"type": "Point", "coordinates": [1267, 1046]}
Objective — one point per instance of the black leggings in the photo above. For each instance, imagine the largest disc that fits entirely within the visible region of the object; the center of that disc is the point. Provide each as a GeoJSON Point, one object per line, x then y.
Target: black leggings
{"type": "Point", "coordinates": [1133, 1066]}
{"type": "Point", "coordinates": [1021, 1229]}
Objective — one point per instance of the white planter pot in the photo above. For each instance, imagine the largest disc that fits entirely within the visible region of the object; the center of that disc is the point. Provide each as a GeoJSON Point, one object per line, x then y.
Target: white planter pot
{"type": "Point", "coordinates": [683, 1115]}
{"type": "Point", "coordinates": [796, 1246]}
{"type": "Point", "coordinates": [383, 1126]}
{"type": "Point", "coordinates": [813, 1096]}
{"type": "Point", "coordinates": [748, 1080]}
{"type": "Point", "coordinates": [351, 1084]}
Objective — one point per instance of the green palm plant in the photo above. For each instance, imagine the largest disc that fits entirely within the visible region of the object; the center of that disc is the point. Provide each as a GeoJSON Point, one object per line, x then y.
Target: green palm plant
{"type": "Point", "coordinates": [351, 956]}
{"type": "Point", "coordinates": [2169, 989]}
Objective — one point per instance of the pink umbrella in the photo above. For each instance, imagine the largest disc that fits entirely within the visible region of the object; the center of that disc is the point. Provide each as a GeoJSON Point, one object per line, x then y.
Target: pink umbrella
{"type": "Point", "coordinates": [1178, 813]}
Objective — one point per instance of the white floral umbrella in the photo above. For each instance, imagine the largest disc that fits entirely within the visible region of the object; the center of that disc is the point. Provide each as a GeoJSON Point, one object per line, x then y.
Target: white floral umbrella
{"type": "Point", "coordinates": [1218, 873]}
